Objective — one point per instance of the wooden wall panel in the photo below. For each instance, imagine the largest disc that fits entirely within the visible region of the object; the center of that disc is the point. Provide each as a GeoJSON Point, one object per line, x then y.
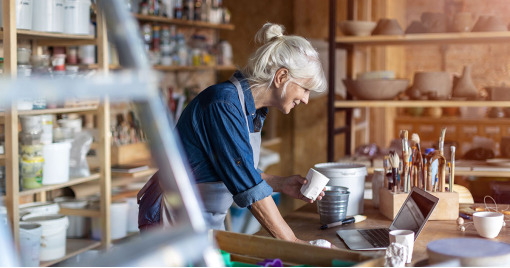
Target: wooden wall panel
{"type": "Point", "coordinates": [248, 16]}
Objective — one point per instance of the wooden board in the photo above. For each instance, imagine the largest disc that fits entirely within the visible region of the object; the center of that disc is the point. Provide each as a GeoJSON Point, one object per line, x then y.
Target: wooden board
{"type": "Point", "coordinates": [270, 248]}
{"type": "Point", "coordinates": [446, 209]}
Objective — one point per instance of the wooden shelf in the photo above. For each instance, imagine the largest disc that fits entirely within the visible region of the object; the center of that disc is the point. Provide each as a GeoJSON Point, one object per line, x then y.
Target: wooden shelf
{"type": "Point", "coordinates": [452, 119]}
{"type": "Point", "coordinates": [179, 22]}
{"type": "Point", "coordinates": [71, 182]}
{"type": "Point", "coordinates": [60, 110]}
{"type": "Point", "coordinates": [426, 38]}
{"type": "Point", "coordinates": [73, 248]}
{"type": "Point", "coordinates": [46, 38]}
{"type": "Point", "coordinates": [194, 68]}
{"type": "Point", "coordinates": [459, 171]}
{"type": "Point", "coordinates": [80, 212]}
{"type": "Point", "coordinates": [125, 238]}
{"type": "Point", "coordinates": [139, 174]}
{"type": "Point", "coordinates": [400, 103]}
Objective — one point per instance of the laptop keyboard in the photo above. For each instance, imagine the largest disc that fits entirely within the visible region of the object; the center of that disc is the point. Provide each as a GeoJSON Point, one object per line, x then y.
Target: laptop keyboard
{"type": "Point", "coordinates": [379, 238]}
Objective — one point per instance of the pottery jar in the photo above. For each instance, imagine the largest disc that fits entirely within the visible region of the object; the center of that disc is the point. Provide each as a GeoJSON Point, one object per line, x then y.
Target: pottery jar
{"type": "Point", "coordinates": [463, 22]}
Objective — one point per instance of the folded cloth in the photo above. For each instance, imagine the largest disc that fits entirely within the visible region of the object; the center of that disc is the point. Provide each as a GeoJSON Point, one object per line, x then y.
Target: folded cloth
{"type": "Point", "coordinates": [321, 243]}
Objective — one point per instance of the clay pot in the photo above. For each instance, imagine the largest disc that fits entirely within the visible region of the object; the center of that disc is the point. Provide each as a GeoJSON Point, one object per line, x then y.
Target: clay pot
{"type": "Point", "coordinates": [434, 22]}
{"type": "Point", "coordinates": [415, 27]}
{"type": "Point", "coordinates": [388, 27]}
{"type": "Point", "coordinates": [436, 84]}
{"type": "Point", "coordinates": [487, 23]}
{"type": "Point", "coordinates": [451, 111]}
{"type": "Point", "coordinates": [463, 22]}
{"type": "Point", "coordinates": [499, 93]}
{"type": "Point", "coordinates": [434, 112]}
{"type": "Point", "coordinates": [463, 86]}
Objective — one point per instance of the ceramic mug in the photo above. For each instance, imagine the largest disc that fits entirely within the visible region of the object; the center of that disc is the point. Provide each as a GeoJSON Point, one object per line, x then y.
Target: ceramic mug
{"type": "Point", "coordinates": [488, 224]}
{"type": "Point", "coordinates": [316, 182]}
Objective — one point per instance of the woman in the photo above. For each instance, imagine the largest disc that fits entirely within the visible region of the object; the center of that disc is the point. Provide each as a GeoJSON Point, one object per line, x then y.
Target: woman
{"type": "Point", "coordinates": [220, 132]}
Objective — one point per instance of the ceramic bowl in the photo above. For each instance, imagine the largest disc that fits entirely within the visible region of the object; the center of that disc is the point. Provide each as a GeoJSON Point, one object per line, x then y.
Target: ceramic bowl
{"type": "Point", "coordinates": [375, 89]}
{"type": "Point", "coordinates": [376, 75]}
{"type": "Point", "coordinates": [438, 83]}
{"type": "Point", "coordinates": [488, 224]}
{"type": "Point", "coordinates": [357, 27]}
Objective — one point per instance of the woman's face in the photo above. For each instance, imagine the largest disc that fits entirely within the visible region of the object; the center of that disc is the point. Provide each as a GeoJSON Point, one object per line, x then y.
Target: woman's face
{"type": "Point", "coordinates": [295, 95]}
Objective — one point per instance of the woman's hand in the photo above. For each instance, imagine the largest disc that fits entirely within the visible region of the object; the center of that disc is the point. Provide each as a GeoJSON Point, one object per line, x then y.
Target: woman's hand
{"type": "Point", "coordinates": [291, 186]}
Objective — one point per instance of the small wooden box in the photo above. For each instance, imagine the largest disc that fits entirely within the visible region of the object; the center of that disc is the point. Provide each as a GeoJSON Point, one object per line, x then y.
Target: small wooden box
{"type": "Point", "coordinates": [446, 209]}
{"type": "Point", "coordinates": [130, 153]}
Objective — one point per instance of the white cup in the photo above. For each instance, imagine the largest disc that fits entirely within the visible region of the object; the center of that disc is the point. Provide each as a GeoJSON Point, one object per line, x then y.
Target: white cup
{"type": "Point", "coordinates": [316, 182]}
{"type": "Point", "coordinates": [406, 239]}
{"type": "Point", "coordinates": [488, 224]}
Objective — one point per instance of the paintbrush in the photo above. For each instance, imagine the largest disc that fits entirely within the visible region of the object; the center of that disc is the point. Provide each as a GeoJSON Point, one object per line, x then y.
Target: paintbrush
{"type": "Point", "coordinates": [386, 163]}
{"type": "Point", "coordinates": [353, 219]}
{"type": "Point", "coordinates": [394, 162]}
{"type": "Point", "coordinates": [419, 161]}
{"type": "Point", "coordinates": [442, 179]}
{"type": "Point", "coordinates": [452, 168]}
{"type": "Point", "coordinates": [405, 159]}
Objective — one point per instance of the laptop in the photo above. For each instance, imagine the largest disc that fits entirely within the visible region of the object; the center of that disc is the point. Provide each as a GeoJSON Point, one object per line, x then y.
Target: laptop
{"type": "Point", "coordinates": [412, 216]}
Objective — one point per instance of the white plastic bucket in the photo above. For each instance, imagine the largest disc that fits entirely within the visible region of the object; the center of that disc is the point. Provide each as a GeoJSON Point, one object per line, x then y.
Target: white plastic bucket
{"type": "Point", "coordinates": [348, 175]}
{"type": "Point", "coordinates": [48, 16]}
{"type": "Point", "coordinates": [118, 222]}
{"type": "Point", "coordinates": [76, 16]}
{"type": "Point", "coordinates": [78, 225]}
{"type": "Point", "coordinates": [30, 243]}
{"type": "Point", "coordinates": [53, 238]}
{"type": "Point", "coordinates": [132, 223]}
{"type": "Point", "coordinates": [56, 163]}
{"type": "Point", "coordinates": [39, 208]}
{"type": "Point", "coordinates": [23, 14]}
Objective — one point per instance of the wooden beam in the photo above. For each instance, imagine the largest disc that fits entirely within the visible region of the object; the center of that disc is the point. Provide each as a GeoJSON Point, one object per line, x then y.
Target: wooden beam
{"type": "Point", "coordinates": [104, 137]}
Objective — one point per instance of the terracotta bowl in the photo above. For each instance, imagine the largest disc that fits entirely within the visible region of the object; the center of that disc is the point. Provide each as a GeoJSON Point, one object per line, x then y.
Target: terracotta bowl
{"type": "Point", "coordinates": [357, 27]}
{"type": "Point", "coordinates": [376, 89]}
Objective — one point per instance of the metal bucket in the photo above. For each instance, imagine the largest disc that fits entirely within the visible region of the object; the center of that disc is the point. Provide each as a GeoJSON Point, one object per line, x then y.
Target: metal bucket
{"type": "Point", "coordinates": [348, 175]}
{"type": "Point", "coordinates": [333, 206]}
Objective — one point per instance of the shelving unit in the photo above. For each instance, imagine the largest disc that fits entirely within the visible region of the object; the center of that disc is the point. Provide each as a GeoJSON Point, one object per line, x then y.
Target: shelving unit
{"type": "Point", "coordinates": [352, 43]}
{"type": "Point", "coordinates": [10, 36]}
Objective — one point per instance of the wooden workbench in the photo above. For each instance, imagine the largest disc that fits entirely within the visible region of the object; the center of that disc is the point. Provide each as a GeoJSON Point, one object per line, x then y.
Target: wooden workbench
{"type": "Point", "coordinates": [305, 224]}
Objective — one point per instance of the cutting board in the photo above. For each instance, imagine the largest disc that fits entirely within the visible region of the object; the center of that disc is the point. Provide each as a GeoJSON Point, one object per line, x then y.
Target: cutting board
{"type": "Point", "coordinates": [470, 251]}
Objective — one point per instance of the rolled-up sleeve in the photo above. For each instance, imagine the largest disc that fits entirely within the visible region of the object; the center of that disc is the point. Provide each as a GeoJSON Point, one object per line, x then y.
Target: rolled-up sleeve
{"type": "Point", "coordinates": [230, 153]}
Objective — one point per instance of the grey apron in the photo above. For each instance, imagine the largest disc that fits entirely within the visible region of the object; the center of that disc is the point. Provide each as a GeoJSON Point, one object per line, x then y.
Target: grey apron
{"type": "Point", "coordinates": [216, 198]}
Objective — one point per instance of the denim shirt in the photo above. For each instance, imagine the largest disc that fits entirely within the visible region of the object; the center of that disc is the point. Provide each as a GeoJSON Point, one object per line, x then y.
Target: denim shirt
{"type": "Point", "coordinates": [214, 135]}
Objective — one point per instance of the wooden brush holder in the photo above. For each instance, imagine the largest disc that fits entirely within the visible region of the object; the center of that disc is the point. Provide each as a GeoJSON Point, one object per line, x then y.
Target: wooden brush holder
{"type": "Point", "coordinates": [446, 209]}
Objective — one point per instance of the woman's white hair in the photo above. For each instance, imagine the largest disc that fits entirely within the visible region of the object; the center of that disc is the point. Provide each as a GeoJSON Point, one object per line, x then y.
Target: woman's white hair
{"type": "Point", "coordinates": [294, 53]}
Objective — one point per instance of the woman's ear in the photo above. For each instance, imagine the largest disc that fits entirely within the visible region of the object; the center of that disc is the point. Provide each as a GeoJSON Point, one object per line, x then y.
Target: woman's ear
{"type": "Point", "coordinates": [281, 76]}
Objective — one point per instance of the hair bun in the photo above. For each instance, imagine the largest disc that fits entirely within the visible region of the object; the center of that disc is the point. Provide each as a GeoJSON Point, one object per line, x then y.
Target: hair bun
{"type": "Point", "coordinates": [268, 32]}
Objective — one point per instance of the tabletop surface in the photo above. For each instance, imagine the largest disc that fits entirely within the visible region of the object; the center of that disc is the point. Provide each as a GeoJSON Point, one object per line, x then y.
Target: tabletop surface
{"type": "Point", "coordinates": [305, 223]}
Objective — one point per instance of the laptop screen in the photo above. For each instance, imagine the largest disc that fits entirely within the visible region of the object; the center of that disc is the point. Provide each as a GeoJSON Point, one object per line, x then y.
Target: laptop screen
{"type": "Point", "coordinates": [415, 211]}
